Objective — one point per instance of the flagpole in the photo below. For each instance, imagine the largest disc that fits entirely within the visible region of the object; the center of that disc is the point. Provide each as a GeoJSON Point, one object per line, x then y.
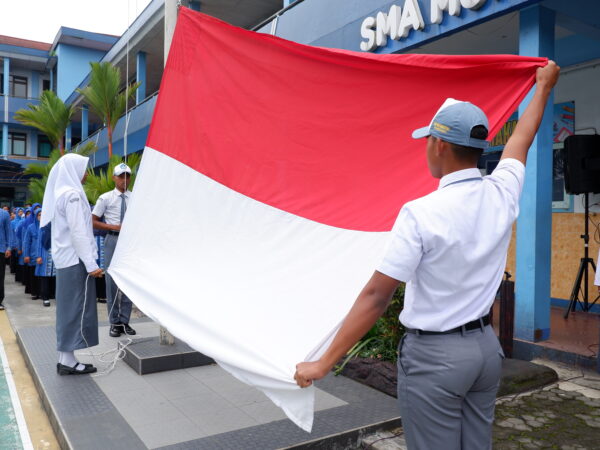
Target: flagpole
{"type": "Point", "coordinates": [171, 9]}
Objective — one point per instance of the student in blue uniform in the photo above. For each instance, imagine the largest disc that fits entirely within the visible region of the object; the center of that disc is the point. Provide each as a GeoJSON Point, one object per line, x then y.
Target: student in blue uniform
{"type": "Point", "coordinates": [20, 215]}
{"type": "Point", "coordinates": [44, 269]}
{"type": "Point", "coordinates": [19, 235]}
{"type": "Point", "coordinates": [14, 221]}
{"type": "Point", "coordinates": [5, 246]}
{"type": "Point", "coordinates": [100, 235]}
{"type": "Point", "coordinates": [30, 255]}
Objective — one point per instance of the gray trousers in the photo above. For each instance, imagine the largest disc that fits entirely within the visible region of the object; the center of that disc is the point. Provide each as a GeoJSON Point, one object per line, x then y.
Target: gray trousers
{"type": "Point", "coordinates": [121, 312]}
{"type": "Point", "coordinates": [76, 313]}
{"type": "Point", "coordinates": [447, 388]}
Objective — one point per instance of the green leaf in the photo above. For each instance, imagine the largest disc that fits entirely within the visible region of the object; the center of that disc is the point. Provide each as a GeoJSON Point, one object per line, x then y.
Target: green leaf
{"type": "Point", "coordinates": [103, 94]}
{"type": "Point", "coordinates": [51, 116]}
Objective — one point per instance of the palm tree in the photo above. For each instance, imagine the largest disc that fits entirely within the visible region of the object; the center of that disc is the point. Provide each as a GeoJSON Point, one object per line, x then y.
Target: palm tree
{"type": "Point", "coordinates": [51, 117]}
{"type": "Point", "coordinates": [37, 186]}
{"type": "Point", "coordinates": [104, 98]}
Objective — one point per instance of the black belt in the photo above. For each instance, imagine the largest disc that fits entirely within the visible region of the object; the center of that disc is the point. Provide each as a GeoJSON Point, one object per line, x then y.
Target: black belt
{"type": "Point", "coordinates": [114, 233]}
{"type": "Point", "coordinates": [478, 323]}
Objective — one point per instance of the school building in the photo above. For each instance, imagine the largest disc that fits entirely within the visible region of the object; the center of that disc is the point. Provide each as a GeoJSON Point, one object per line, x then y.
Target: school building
{"type": "Point", "coordinates": [546, 249]}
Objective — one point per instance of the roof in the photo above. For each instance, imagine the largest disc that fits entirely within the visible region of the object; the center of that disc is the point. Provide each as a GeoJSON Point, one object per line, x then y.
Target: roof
{"type": "Point", "coordinates": [82, 38]}
{"type": "Point", "coordinates": [17, 42]}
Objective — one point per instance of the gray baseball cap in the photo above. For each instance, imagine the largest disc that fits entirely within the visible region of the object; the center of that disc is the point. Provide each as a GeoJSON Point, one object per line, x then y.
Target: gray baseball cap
{"type": "Point", "coordinates": [453, 123]}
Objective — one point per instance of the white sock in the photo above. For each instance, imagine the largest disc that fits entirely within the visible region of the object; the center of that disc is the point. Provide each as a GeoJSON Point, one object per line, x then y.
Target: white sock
{"type": "Point", "coordinates": [68, 359]}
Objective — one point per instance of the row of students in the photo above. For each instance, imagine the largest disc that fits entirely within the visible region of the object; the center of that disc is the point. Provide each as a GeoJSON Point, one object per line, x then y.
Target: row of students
{"type": "Point", "coordinates": [31, 262]}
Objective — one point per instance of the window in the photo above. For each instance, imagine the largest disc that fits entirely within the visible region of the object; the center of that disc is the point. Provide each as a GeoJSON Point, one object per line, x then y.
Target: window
{"type": "Point", "coordinates": [17, 86]}
{"type": "Point", "coordinates": [44, 146]}
{"type": "Point", "coordinates": [17, 144]}
{"type": "Point", "coordinates": [45, 85]}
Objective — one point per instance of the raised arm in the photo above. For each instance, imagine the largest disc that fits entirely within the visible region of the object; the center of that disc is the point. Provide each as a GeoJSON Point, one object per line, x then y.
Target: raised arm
{"type": "Point", "coordinates": [518, 145]}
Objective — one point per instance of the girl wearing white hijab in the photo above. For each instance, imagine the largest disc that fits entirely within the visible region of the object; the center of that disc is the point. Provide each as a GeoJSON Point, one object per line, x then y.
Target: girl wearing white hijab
{"type": "Point", "coordinates": [74, 253]}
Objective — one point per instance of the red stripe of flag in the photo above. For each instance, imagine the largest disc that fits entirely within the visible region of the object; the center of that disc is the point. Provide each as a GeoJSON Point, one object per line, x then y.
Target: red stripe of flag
{"type": "Point", "coordinates": [323, 134]}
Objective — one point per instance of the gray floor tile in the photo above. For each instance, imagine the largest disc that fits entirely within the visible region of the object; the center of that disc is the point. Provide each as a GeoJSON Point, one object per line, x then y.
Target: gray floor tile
{"type": "Point", "coordinates": [323, 400]}
{"type": "Point", "coordinates": [239, 395]}
{"type": "Point", "coordinates": [169, 432]}
{"type": "Point", "coordinates": [183, 388]}
{"type": "Point", "coordinates": [264, 412]}
{"type": "Point", "coordinates": [211, 370]}
{"type": "Point", "coordinates": [222, 420]}
{"type": "Point", "coordinates": [145, 406]}
{"type": "Point", "coordinates": [193, 405]}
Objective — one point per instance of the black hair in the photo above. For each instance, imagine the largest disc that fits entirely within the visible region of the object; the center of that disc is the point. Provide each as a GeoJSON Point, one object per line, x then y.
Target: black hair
{"type": "Point", "coordinates": [470, 154]}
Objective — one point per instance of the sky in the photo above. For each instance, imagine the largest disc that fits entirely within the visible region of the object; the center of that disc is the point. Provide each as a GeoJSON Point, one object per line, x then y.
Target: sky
{"type": "Point", "coordinates": [39, 20]}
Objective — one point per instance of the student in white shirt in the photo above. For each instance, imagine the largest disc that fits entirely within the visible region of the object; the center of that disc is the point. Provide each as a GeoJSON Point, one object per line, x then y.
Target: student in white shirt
{"type": "Point", "coordinates": [112, 206]}
{"type": "Point", "coordinates": [450, 248]}
{"type": "Point", "coordinates": [74, 253]}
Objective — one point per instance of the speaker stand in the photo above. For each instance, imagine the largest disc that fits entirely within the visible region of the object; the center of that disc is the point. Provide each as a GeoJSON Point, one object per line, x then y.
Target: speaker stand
{"type": "Point", "coordinates": [582, 273]}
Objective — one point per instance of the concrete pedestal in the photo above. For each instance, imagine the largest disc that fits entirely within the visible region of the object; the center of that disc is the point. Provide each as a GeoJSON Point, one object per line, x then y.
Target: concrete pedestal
{"type": "Point", "coordinates": [146, 355]}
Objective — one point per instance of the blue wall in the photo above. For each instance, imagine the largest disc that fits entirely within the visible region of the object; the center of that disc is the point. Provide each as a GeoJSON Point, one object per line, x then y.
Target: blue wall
{"type": "Point", "coordinates": [73, 67]}
{"type": "Point", "coordinates": [337, 23]}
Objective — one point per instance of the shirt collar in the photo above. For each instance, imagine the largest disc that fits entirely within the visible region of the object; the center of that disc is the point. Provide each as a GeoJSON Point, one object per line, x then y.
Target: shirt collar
{"type": "Point", "coordinates": [459, 175]}
{"type": "Point", "coordinates": [118, 192]}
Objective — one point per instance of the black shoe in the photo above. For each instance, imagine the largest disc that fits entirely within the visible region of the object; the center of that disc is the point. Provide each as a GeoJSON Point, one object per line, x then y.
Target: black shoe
{"type": "Point", "coordinates": [61, 369]}
{"type": "Point", "coordinates": [128, 330]}
{"type": "Point", "coordinates": [116, 330]}
{"type": "Point", "coordinates": [35, 297]}
{"type": "Point", "coordinates": [101, 300]}
{"type": "Point", "coordinates": [46, 302]}
{"type": "Point", "coordinates": [1, 307]}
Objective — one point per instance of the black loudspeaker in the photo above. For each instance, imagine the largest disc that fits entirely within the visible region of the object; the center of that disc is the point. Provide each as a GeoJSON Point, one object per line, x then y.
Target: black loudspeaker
{"type": "Point", "coordinates": [581, 157]}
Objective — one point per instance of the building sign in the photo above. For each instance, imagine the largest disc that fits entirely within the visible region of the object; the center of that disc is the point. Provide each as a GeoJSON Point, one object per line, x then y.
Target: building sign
{"type": "Point", "coordinates": [412, 16]}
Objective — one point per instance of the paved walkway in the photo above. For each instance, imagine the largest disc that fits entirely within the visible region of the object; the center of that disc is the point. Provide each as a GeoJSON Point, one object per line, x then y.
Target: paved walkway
{"type": "Point", "coordinates": [202, 407]}
{"type": "Point", "coordinates": [35, 430]}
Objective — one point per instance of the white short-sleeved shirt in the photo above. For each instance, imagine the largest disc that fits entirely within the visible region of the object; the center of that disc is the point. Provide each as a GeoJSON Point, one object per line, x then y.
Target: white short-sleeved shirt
{"type": "Point", "coordinates": [72, 236]}
{"type": "Point", "coordinates": [450, 246]}
{"type": "Point", "coordinates": [109, 206]}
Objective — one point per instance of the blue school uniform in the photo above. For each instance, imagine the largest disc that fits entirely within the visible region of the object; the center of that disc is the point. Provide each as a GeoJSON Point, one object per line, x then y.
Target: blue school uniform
{"type": "Point", "coordinates": [46, 268]}
{"type": "Point", "coordinates": [30, 241]}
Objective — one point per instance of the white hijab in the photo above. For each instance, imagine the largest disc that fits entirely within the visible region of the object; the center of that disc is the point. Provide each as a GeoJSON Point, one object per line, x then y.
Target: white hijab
{"type": "Point", "coordinates": [65, 176]}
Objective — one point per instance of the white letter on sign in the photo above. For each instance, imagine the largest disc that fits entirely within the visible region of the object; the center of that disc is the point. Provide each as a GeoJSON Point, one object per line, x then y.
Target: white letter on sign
{"type": "Point", "coordinates": [437, 6]}
{"type": "Point", "coordinates": [367, 31]}
{"type": "Point", "coordinates": [383, 29]}
{"type": "Point", "coordinates": [411, 18]}
{"type": "Point", "coordinates": [472, 4]}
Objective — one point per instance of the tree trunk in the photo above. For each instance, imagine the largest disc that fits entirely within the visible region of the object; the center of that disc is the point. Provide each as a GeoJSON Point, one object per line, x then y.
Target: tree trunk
{"type": "Point", "coordinates": [109, 131]}
{"type": "Point", "coordinates": [61, 147]}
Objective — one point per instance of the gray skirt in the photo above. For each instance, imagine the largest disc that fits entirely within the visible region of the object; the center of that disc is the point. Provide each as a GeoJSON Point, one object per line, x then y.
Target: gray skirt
{"type": "Point", "coordinates": [73, 303]}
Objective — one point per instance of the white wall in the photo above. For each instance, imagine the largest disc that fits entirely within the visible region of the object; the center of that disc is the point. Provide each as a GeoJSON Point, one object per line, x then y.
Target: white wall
{"type": "Point", "coordinates": [582, 84]}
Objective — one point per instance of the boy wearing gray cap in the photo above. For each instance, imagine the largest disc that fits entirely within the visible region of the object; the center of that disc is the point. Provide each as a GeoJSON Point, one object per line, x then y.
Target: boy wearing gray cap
{"type": "Point", "coordinates": [450, 248]}
{"type": "Point", "coordinates": [112, 206]}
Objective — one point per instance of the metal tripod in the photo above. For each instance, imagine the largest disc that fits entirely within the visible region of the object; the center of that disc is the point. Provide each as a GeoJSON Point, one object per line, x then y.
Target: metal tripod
{"type": "Point", "coordinates": [582, 273]}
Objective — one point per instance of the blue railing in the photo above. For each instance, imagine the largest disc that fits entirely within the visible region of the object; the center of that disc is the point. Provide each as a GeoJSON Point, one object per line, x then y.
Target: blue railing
{"type": "Point", "coordinates": [14, 104]}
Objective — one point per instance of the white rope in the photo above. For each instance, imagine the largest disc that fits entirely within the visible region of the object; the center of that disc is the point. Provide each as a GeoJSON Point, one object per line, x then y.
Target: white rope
{"type": "Point", "coordinates": [121, 346]}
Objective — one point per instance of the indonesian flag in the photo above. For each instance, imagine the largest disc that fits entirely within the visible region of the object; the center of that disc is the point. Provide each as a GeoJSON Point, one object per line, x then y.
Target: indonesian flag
{"type": "Point", "coordinates": [272, 177]}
